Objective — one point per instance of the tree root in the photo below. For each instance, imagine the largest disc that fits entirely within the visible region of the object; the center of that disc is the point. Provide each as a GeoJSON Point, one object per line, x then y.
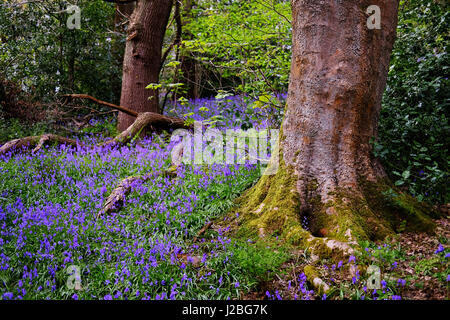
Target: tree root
{"type": "Point", "coordinates": [332, 228]}
{"type": "Point", "coordinates": [202, 231]}
{"type": "Point", "coordinates": [153, 120]}
{"type": "Point", "coordinates": [35, 142]}
{"type": "Point", "coordinates": [143, 120]}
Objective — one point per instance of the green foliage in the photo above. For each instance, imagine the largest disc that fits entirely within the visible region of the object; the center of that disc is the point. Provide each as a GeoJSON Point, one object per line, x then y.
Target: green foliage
{"type": "Point", "coordinates": [381, 255]}
{"type": "Point", "coordinates": [106, 127]}
{"type": "Point", "coordinates": [38, 51]}
{"type": "Point", "coordinates": [253, 262]}
{"type": "Point", "coordinates": [246, 45]}
{"type": "Point", "coordinates": [14, 129]}
{"type": "Point", "coordinates": [414, 129]}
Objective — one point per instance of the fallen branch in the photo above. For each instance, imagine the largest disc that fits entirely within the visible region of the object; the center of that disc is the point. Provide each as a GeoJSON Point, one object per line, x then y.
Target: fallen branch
{"type": "Point", "coordinates": [36, 142]}
{"type": "Point", "coordinates": [117, 196]}
{"type": "Point", "coordinates": [103, 103]}
{"type": "Point", "coordinates": [154, 120]}
{"type": "Point", "coordinates": [147, 119]}
{"type": "Point", "coordinates": [202, 231]}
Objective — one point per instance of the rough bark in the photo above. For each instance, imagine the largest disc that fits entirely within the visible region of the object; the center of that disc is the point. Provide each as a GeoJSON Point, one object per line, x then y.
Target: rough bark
{"type": "Point", "coordinates": [338, 76]}
{"type": "Point", "coordinates": [121, 18]}
{"type": "Point", "coordinates": [142, 57]}
{"type": "Point", "coordinates": [328, 184]}
{"type": "Point", "coordinates": [116, 199]}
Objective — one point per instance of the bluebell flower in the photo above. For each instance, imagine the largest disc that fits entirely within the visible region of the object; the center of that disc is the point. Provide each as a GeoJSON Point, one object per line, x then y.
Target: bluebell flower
{"type": "Point", "coordinates": [401, 282]}
{"type": "Point", "coordinates": [439, 249]}
{"type": "Point", "coordinates": [8, 295]}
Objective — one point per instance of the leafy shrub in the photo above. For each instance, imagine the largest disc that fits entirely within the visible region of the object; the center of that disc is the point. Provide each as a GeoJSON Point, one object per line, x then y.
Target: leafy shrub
{"type": "Point", "coordinates": [414, 129]}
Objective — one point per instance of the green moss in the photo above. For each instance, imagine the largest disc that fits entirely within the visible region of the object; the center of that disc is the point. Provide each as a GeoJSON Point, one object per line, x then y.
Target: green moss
{"type": "Point", "coordinates": [374, 215]}
{"type": "Point", "coordinates": [400, 210]}
{"type": "Point", "coordinates": [312, 275]}
{"type": "Point", "coordinates": [320, 248]}
{"type": "Point", "coordinates": [310, 272]}
{"type": "Point", "coordinates": [272, 208]}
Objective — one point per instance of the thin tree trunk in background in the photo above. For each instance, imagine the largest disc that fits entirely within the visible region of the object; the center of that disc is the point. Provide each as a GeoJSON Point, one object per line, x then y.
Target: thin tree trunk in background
{"type": "Point", "coordinates": [71, 72]}
{"type": "Point", "coordinates": [122, 15]}
{"type": "Point", "coordinates": [143, 57]}
{"type": "Point", "coordinates": [123, 12]}
{"type": "Point", "coordinates": [188, 65]}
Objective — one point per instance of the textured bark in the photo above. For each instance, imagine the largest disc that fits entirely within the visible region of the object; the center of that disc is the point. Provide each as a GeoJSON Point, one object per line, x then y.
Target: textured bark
{"type": "Point", "coordinates": [142, 57]}
{"type": "Point", "coordinates": [328, 185]}
{"type": "Point", "coordinates": [116, 199]}
{"type": "Point", "coordinates": [35, 142]}
{"type": "Point", "coordinates": [121, 18]}
{"type": "Point", "coordinates": [338, 75]}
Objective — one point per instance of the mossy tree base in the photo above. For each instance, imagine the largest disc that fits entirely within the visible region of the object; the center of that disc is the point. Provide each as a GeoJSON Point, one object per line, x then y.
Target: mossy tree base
{"type": "Point", "coordinates": [331, 227]}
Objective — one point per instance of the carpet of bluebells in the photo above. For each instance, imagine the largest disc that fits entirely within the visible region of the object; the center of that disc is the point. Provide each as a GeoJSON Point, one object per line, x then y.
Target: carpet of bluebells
{"type": "Point", "coordinates": [48, 226]}
{"type": "Point", "coordinates": [50, 236]}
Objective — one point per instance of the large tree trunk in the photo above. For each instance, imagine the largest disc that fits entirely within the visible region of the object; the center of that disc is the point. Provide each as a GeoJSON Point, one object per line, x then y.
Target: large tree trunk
{"type": "Point", "coordinates": [328, 184]}
{"type": "Point", "coordinates": [143, 57]}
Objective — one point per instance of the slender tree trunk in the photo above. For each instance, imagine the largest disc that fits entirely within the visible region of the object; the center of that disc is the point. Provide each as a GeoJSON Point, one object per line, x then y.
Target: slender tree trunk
{"type": "Point", "coordinates": [143, 57]}
{"type": "Point", "coordinates": [71, 72]}
{"type": "Point", "coordinates": [188, 65]}
{"type": "Point", "coordinates": [328, 184]}
{"type": "Point", "coordinates": [122, 15]}
{"type": "Point", "coordinates": [123, 11]}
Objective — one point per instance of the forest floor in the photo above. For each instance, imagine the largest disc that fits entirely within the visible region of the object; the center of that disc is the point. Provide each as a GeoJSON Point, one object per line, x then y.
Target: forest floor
{"type": "Point", "coordinates": [152, 247]}
{"type": "Point", "coordinates": [418, 269]}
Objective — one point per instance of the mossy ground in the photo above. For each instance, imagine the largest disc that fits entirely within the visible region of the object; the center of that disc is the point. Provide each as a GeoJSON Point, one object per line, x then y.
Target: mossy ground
{"type": "Point", "coordinates": [272, 209]}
